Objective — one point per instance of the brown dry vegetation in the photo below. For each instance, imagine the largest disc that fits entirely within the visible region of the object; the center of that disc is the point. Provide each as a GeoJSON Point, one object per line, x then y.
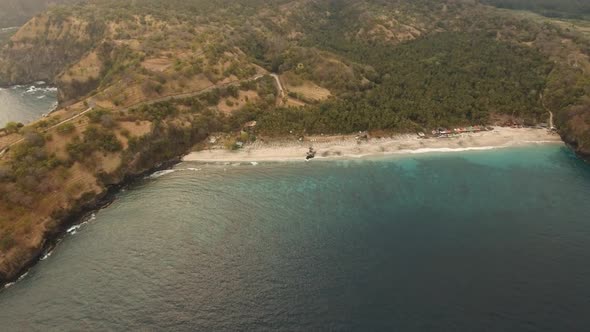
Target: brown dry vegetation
{"type": "Point", "coordinates": [304, 89]}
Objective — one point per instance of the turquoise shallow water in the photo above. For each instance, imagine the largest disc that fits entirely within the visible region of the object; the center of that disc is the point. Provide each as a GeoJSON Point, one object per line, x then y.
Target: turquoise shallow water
{"type": "Point", "coordinates": [25, 103]}
{"type": "Point", "coordinates": [479, 241]}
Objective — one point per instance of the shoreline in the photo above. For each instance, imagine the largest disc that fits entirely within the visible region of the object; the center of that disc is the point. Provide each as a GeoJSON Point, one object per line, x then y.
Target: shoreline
{"type": "Point", "coordinates": [78, 217]}
{"type": "Point", "coordinates": [292, 150]}
{"type": "Point", "coordinates": [348, 147]}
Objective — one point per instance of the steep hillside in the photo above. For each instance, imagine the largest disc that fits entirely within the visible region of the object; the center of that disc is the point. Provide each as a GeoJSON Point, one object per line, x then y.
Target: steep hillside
{"type": "Point", "coordinates": [141, 81]}
{"type": "Point", "coordinates": [45, 46]}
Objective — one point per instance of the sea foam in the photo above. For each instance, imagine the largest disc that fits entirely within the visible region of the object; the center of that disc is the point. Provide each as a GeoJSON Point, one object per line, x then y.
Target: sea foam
{"type": "Point", "coordinates": [161, 173]}
{"type": "Point", "coordinates": [8, 29]}
{"type": "Point", "coordinates": [430, 150]}
{"type": "Point", "coordinates": [74, 229]}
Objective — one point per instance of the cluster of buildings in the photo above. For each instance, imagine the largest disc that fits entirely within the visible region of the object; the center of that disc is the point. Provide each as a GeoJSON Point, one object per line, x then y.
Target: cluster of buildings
{"type": "Point", "coordinates": [448, 133]}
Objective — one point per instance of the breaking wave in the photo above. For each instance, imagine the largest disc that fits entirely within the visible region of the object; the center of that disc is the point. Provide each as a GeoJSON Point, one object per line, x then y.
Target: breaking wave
{"type": "Point", "coordinates": [17, 280]}
{"type": "Point", "coordinates": [40, 89]}
{"type": "Point", "coordinates": [431, 150]}
{"type": "Point", "coordinates": [8, 29]}
{"type": "Point", "coordinates": [161, 173]}
{"type": "Point", "coordinates": [74, 229]}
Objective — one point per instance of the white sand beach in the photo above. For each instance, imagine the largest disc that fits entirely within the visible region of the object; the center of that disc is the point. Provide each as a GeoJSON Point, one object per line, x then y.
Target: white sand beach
{"type": "Point", "coordinates": [348, 147]}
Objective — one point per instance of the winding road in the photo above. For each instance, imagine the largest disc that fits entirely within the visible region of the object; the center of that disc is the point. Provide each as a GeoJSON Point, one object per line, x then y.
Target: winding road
{"type": "Point", "coordinates": [279, 85]}
{"type": "Point", "coordinates": [4, 149]}
{"type": "Point", "coordinates": [551, 124]}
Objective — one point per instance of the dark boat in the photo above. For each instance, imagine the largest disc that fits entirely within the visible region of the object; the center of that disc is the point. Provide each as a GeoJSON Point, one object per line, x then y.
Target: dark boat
{"type": "Point", "coordinates": [310, 154]}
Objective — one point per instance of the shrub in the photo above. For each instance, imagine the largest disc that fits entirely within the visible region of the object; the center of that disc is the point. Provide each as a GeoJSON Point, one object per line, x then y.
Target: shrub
{"type": "Point", "coordinates": [125, 133]}
{"type": "Point", "coordinates": [13, 127]}
{"type": "Point", "coordinates": [95, 116]}
{"type": "Point", "coordinates": [106, 120]}
{"type": "Point", "coordinates": [66, 128]}
{"type": "Point", "coordinates": [6, 242]}
{"type": "Point", "coordinates": [33, 138]}
{"type": "Point", "coordinates": [95, 139]}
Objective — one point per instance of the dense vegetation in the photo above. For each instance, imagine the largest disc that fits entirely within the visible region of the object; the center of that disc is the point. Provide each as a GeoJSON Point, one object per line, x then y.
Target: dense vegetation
{"type": "Point", "coordinates": [443, 80]}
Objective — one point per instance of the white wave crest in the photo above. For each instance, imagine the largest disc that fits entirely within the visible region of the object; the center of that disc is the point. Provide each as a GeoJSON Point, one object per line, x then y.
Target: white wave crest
{"type": "Point", "coordinates": [22, 277]}
{"type": "Point", "coordinates": [254, 163]}
{"type": "Point", "coordinates": [430, 150]}
{"type": "Point", "coordinates": [161, 173]}
{"type": "Point", "coordinates": [74, 229]}
{"type": "Point", "coordinates": [8, 29]}
{"type": "Point", "coordinates": [32, 89]}
{"type": "Point", "coordinates": [47, 255]}
{"type": "Point", "coordinates": [541, 142]}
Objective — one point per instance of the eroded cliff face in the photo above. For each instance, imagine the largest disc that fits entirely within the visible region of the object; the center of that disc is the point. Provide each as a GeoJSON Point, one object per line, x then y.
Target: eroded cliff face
{"type": "Point", "coordinates": [44, 48]}
{"type": "Point", "coordinates": [88, 185]}
{"type": "Point", "coordinates": [574, 127]}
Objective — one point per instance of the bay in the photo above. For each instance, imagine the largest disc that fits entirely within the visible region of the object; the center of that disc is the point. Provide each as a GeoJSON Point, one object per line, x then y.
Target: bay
{"type": "Point", "coordinates": [477, 241]}
{"type": "Point", "coordinates": [26, 103]}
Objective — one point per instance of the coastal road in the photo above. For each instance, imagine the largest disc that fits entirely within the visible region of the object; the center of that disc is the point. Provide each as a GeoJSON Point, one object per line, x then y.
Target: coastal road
{"type": "Point", "coordinates": [280, 86]}
{"type": "Point", "coordinates": [188, 94]}
{"type": "Point", "coordinates": [4, 149]}
{"type": "Point", "coordinates": [551, 125]}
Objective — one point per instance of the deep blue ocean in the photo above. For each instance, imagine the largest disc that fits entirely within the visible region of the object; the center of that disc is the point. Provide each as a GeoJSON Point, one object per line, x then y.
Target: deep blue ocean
{"type": "Point", "coordinates": [475, 241]}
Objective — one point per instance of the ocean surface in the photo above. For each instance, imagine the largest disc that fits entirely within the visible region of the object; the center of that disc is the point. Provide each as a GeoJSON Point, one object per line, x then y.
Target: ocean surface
{"type": "Point", "coordinates": [25, 103]}
{"type": "Point", "coordinates": [476, 241]}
